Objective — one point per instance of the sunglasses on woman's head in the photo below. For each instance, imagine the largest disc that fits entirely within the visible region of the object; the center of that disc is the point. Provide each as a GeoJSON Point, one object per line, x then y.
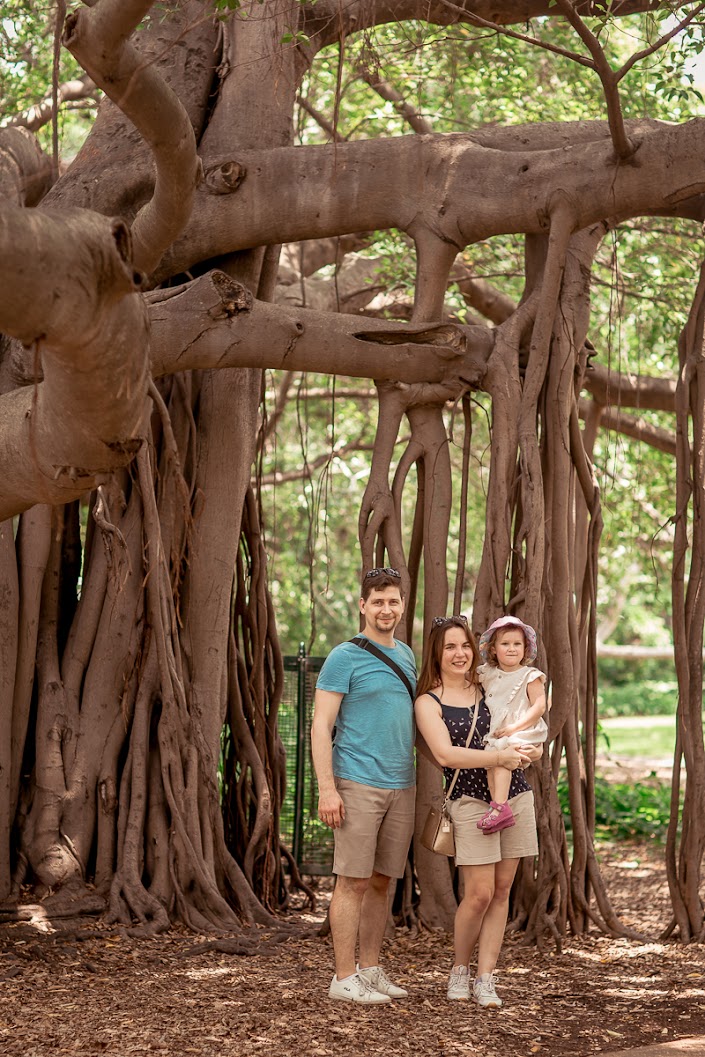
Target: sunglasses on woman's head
{"type": "Point", "coordinates": [457, 618]}
{"type": "Point", "coordinates": [382, 572]}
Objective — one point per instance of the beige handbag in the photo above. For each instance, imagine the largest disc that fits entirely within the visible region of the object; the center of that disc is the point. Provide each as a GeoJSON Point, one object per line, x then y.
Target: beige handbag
{"type": "Point", "coordinates": [437, 834]}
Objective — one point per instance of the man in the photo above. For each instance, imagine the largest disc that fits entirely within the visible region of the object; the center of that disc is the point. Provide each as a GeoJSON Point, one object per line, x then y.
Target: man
{"type": "Point", "coordinates": [366, 784]}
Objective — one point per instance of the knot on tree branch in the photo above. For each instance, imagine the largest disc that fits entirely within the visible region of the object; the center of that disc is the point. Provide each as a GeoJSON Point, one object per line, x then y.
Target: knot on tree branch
{"type": "Point", "coordinates": [630, 157]}
{"type": "Point", "coordinates": [127, 448]}
{"type": "Point", "coordinates": [223, 178]}
{"type": "Point", "coordinates": [71, 26]}
{"type": "Point", "coordinates": [235, 297]}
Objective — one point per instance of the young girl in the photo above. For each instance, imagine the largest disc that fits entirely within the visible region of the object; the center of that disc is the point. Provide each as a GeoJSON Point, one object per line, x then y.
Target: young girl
{"type": "Point", "coordinates": [516, 698]}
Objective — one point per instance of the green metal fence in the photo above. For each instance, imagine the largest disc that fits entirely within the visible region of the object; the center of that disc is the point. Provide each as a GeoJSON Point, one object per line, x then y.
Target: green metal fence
{"type": "Point", "coordinates": [311, 843]}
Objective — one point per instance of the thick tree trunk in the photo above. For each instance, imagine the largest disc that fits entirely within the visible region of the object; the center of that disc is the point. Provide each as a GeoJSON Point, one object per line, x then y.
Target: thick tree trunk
{"type": "Point", "coordinates": [134, 689]}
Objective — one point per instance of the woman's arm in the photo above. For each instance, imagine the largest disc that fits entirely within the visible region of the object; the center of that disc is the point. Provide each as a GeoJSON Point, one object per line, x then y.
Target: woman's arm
{"type": "Point", "coordinates": [435, 733]}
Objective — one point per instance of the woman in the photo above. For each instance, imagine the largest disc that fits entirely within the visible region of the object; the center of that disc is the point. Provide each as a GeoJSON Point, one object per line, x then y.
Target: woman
{"type": "Point", "coordinates": [449, 696]}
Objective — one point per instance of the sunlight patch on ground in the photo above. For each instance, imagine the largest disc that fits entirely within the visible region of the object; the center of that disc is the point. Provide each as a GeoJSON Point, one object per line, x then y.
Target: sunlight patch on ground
{"type": "Point", "coordinates": [618, 951]}
{"type": "Point", "coordinates": [635, 868]}
{"type": "Point", "coordinates": [634, 992]}
{"type": "Point", "coordinates": [200, 974]}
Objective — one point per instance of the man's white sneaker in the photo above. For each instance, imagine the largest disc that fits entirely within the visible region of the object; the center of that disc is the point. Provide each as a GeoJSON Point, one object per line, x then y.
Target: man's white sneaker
{"type": "Point", "coordinates": [375, 975]}
{"type": "Point", "coordinates": [484, 993]}
{"type": "Point", "coordinates": [459, 984]}
{"type": "Point", "coordinates": [356, 989]}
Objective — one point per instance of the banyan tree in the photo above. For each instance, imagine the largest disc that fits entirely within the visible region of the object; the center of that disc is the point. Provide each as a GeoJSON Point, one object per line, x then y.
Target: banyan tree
{"type": "Point", "coordinates": [141, 769]}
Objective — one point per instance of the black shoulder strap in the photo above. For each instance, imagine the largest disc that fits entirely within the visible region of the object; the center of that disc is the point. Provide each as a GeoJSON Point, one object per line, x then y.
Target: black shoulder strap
{"type": "Point", "coordinates": [366, 644]}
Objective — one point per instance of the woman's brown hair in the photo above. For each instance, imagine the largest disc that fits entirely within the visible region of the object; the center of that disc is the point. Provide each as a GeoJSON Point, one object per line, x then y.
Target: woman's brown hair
{"type": "Point", "coordinates": [430, 674]}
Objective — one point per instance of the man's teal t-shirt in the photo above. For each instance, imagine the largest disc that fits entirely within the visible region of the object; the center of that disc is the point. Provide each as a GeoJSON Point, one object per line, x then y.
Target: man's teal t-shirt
{"type": "Point", "coordinates": [374, 730]}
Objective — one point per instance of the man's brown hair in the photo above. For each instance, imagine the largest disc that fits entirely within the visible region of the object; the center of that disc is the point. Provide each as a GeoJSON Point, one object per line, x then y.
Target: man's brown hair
{"type": "Point", "coordinates": [377, 580]}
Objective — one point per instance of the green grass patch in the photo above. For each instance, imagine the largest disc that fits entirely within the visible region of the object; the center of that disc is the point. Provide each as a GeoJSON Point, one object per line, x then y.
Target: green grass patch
{"type": "Point", "coordinates": [645, 738]}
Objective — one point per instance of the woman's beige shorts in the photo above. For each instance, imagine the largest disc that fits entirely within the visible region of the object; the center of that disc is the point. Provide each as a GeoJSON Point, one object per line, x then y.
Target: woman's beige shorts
{"type": "Point", "coordinates": [475, 848]}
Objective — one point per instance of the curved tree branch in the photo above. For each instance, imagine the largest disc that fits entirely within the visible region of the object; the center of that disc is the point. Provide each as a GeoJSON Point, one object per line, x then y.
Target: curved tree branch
{"type": "Point", "coordinates": [98, 38]}
{"type": "Point", "coordinates": [484, 23]}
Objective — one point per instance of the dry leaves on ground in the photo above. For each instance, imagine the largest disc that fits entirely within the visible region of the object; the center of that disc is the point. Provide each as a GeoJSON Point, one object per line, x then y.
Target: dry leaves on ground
{"type": "Point", "coordinates": [100, 992]}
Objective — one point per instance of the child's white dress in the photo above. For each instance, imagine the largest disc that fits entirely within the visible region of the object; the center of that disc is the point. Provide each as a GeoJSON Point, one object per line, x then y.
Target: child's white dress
{"type": "Point", "coordinates": [507, 699]}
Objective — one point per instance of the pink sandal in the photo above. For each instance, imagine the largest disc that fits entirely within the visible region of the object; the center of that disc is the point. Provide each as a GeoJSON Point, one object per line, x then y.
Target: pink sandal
{"type": "Point", "coordinates": [499, 817]}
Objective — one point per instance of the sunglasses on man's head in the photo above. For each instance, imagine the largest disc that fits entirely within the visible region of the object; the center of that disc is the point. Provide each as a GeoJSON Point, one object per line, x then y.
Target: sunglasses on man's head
{"type": "Point", "coordinates": [457, 618]}
{"type": "Point", "coordinates": [382, 572]}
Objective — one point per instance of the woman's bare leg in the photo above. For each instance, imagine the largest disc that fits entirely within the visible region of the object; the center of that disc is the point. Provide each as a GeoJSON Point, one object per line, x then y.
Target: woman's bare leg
{"type": "Point", "coordinates": [478, 884]}
{"type": "Point", "coordinates": [494, 920]}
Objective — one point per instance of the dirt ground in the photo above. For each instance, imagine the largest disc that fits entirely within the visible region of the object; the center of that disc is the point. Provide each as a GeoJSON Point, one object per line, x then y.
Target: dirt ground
{"type": "Point", "coordinates": [89, 991]}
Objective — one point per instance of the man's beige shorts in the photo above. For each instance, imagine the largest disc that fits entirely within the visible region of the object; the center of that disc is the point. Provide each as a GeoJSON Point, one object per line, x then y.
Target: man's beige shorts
{"type": "Point", "coordinates": [377, 831]}
{"type": "Point", "coordinates": [475, 848]}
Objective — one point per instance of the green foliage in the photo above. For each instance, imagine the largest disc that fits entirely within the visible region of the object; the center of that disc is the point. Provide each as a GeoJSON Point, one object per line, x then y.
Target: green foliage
{"type": "Point", "coordinates": [636, 688]}
{"type": "Point", "coordinates": [295, 37]}
{"type": "Point", "coordinates": [461, 78]}
{"type": "Point", "coordinates": [311, 524]}
{"type": "Point", "coordinates": [638, 697]}
{"type": "Point", "coordinates": [623, 811]}
{"type": "Point", "coordinates": [27, 29]}
{"type": "Point", "coordinates": [620, 672]}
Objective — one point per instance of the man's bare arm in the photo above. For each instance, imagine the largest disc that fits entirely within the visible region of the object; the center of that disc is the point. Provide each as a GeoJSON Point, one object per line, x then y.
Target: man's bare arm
{"type": "Point", "coordinates": [325, 712]}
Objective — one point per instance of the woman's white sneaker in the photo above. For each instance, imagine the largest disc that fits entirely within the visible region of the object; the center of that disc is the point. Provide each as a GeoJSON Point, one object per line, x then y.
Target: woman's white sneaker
{"type": "Point", "coordinates": [484, 993]}
{"type": "Point", "coordinates": [356, 989]}
{"type": "Point", "coordinates": [458, 984]}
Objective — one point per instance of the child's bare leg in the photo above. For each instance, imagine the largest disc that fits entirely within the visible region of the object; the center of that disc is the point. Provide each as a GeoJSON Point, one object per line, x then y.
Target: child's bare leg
{"type": "Point", "coordinates": [499, 814]}
{"type": "Point", "coordinates": [499, 779]}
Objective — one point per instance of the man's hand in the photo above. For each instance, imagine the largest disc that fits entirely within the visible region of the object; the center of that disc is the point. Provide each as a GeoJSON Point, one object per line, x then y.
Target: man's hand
{"type": "Point", "coordinates": [331, 809]}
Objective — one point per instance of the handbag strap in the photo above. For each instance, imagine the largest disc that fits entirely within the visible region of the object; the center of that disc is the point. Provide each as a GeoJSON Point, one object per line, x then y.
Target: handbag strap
{"type": "Point", "coordinates": [371, 647]}
{"type": "Point", "coordinates": [454, 779]}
